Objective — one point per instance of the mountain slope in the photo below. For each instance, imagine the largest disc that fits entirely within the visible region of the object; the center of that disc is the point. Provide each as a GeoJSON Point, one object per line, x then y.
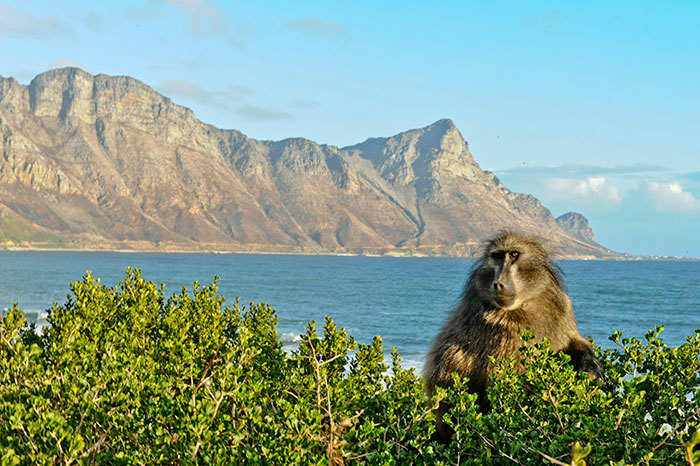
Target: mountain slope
{"type": "Point", "coordinates": [102, 161]}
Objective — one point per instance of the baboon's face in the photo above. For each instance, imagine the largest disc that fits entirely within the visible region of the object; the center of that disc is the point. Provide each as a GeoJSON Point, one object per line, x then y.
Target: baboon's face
{"type": "Point", "coordinates": [504, 283]}
{"type": "Point", "coordinates": [514, 274]}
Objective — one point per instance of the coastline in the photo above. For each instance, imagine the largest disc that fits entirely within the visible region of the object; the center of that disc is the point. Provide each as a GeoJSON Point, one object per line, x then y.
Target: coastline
{"type": "Point", "coordinates": [467, 250]}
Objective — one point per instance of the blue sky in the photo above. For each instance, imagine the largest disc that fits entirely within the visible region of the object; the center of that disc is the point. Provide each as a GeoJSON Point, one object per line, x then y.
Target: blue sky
{"type": "Point", "coordinates": [590, 106]}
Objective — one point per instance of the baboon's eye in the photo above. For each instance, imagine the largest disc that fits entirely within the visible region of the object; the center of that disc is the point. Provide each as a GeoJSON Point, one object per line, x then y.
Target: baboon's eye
{"type": "Point", "coordinates": [514, 254]}
{"type": "Point", "coordinates": [498, 255]}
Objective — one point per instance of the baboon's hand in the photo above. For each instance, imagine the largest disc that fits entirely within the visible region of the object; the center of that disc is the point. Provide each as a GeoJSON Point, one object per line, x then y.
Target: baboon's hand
{"type": "Point", "coordinates": [590, 364]}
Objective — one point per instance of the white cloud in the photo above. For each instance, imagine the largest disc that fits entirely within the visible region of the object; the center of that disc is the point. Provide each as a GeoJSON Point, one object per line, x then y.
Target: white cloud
{"type": "Point", "coordinates": [590, 190]}
{"type": "Point", "coordinates": [187, 90]}
{"type": "Point", "coordinates": [234, 98]}
{"type": "Point", "coordinates": [305, 104]}
{"type": "Point", "coordinates": [205, 18]}
{"type": "Point", "coordinates": [203, 15]}
{"type": "Point", "coordinates": [574, 170]}
{"type": "Point", "coordinates": [669, 196]}
{"type": "Point", "coordinates": [240, 90]}
{"type": "Point", "coordinates": [254, 112]}
{"type": "Point", "coordinates": [24, 24]}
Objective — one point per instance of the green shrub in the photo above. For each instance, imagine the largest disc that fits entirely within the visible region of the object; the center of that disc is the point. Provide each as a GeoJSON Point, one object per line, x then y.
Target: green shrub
{"type": "Point", "coordinates": [126, 375]}
{"type": "Point", "coordinates": [646, 411]}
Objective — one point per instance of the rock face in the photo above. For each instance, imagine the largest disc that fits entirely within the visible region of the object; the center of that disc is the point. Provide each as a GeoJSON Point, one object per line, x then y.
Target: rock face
{"type": "Point", "coordinates": [100, 161]}
{"type": "Point", "coordinates": [577, 226]}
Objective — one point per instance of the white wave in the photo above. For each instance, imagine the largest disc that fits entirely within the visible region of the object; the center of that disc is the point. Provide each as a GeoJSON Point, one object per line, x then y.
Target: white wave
{"type": "Point", "coordinates": [290, 338]}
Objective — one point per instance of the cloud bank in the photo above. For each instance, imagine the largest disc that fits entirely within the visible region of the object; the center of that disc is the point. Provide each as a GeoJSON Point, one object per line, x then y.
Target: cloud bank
{"type": "Point", "coordinates": [573, 170]}
{"type": "Point", "coordinates": [232, 99]}
{"type": "Point", "coordinates": [23, 24]}
{"type": "Point", "coordinates": [669, 196]}
{"type": "Point", "coordinates": [184, 89]}
{"type": "Point", "coordinates": [636, 187]}
{"type": "Point", "coordinates": [204, 17]}
{"type": "Point", "coordinates": [254, 112]}
{"type": "Point", "coordinates": [591, 190]}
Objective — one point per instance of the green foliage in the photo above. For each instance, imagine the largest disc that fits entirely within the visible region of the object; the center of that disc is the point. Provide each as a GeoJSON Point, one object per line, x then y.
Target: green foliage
{"type": "Point", "coordinates": [646, 411]}
{"type": "Point", "coordinates": [126, 375]}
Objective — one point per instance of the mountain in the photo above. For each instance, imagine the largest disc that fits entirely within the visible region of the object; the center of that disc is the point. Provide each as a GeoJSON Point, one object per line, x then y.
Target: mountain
{"type": "Point", "coordinates": [577, 226]}
{"type": "Point", "coordinates": [107, 162]}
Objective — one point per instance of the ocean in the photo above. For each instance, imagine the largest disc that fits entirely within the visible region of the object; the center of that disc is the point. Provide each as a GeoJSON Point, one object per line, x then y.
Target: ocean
{"type": "Point", "coordinates": [405, 300]}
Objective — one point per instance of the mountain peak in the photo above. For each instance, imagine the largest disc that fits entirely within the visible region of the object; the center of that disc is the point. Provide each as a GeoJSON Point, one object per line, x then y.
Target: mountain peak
{"type": "Point", "coordinates": [443, 124]}
{"type": "Point", "coordinates": [73, 94]}
{"type": "Point", "coordinates": [443, 132]}
{"type": "Point", "coordinates": [67, 72]}
{"type": "Point", "coordinates": [435, 131]}
{"type": "Point", "coordinates": [577, 226]}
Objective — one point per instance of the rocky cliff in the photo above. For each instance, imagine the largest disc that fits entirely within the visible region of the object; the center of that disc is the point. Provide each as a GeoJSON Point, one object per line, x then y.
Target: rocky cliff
{"type": "Point", "coordinates": [577, 226]}
{"type": "Point", "coordinates": [101, 161]}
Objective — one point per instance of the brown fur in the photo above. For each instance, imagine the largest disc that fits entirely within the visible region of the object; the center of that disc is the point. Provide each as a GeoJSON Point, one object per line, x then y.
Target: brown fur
{"type": "Point", "coordinates": [513, 287]}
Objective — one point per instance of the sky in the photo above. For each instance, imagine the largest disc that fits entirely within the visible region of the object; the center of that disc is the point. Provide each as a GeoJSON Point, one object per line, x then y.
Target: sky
{"type": "Point", "coordinates": [590, 106]}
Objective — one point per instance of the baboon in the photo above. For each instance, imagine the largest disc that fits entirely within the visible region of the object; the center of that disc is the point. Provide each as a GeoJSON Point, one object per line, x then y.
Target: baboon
{"type": "Point", "coordinates": [514, 286]}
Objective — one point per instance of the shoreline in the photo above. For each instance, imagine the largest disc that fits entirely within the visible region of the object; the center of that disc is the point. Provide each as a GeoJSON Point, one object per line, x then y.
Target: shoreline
{"type": "Point", "coordinates": [358, 252]}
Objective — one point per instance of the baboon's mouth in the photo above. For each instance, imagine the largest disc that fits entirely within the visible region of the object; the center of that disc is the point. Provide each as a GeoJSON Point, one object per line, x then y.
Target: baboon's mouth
{"type": "Point", "coordinates": [504, 299]}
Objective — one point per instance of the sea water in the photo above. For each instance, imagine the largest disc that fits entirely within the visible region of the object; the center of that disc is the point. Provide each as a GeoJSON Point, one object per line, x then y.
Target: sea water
{"type": "Point", "coordinates": [405, 300]}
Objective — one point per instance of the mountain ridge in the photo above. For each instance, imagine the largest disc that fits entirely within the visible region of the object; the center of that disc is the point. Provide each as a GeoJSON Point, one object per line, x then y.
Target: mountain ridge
{"type": "Point", "coordinates": [100, 161]}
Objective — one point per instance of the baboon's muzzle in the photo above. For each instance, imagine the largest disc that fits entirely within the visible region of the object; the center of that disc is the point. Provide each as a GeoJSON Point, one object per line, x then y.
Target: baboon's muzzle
{"type": "Point", "coordinates": [504, 287]}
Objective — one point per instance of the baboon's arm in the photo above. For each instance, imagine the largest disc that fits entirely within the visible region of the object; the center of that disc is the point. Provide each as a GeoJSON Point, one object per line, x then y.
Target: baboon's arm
{"type": "Point", "coordinates": [583, 358]}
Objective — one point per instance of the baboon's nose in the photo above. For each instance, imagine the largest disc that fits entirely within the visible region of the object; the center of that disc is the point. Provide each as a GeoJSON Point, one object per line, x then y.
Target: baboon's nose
{"type": "Point", "coordinates": [498, 286]}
